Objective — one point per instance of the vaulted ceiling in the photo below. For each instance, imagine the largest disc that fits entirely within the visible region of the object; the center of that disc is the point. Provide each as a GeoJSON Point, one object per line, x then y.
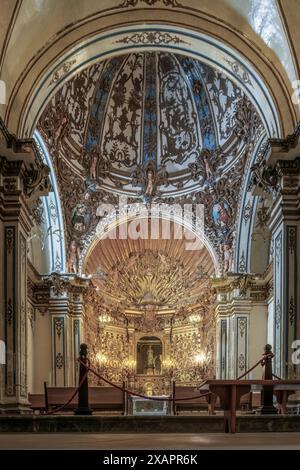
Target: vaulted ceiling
{"type": "Point", "coordinates": [151, 113]}
{"type": "Point", "coordinates": [265, 32]}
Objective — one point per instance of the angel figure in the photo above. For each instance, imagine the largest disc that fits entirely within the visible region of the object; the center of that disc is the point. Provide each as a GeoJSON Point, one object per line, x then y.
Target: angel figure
{"type": "Point", "coordinates": [74, 252]}
{"type": "Point", "coordinates": [205, 154]}
{"type": "Point", "coordinates": [93, 167]}
{"type": "Point", "coordinates": [227, 256]}
{"type": "Point", "coordinates": [163, 258]}
{"type": "Point", "coordinates": [149, 183]}
{"type": "Point", "coordinates": [149, 178]}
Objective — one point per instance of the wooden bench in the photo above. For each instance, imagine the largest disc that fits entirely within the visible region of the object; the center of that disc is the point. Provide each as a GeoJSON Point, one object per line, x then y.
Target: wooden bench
{"type": "Point", "coordinates": [100, 398]}
{"type": "Point", "coordinates": [37, 401]}
{"type": "Point", "coordinates": [231, 392]}
{"type": "Point", "coordinates": [197, 404]}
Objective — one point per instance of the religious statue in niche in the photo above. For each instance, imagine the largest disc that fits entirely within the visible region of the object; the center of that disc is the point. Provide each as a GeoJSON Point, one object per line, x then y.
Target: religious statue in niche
{"type": "Point", "coordinates": [221, 214]}
{"type": "Point", "coordinates": [80, 218]}
{"type": "Point", "coordinates": [149, 355]}
{"type": "Point", "coordinates": [150, 358]}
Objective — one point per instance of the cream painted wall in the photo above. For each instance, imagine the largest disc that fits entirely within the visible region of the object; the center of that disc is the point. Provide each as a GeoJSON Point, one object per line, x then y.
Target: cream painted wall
{"type": "Point", "coordinates": [257, 335]}
{"type": "Point", "coordinates": [30, 357]}
{"type": "Point", "coordinates": [42, 351]}
{"type": "Point", "coordinates": [270, 335]}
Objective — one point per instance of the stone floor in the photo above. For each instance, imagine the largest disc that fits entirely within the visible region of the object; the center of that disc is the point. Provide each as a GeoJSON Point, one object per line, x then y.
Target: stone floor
{"type": "Point", "coordinates": [261, 441]}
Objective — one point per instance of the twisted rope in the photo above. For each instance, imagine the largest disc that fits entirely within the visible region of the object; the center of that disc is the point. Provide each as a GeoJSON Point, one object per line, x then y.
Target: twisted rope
{"type": "Point", "coordinates": [136, 394]}
{"type": "Point", "coordinates": [60, 408]}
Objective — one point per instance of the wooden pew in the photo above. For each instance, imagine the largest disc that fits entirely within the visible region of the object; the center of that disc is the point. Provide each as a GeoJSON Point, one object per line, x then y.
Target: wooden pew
{"type": "Point", "coordinates": [37, 401]}
{"type": "Point", "coordinates": [190, 405]}
{"type": "Point", "coordinates": [100, 398]}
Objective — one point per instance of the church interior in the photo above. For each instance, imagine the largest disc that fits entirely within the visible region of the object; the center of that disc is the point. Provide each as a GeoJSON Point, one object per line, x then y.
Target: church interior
{"type": "Point", "coordinates": [150, 217]}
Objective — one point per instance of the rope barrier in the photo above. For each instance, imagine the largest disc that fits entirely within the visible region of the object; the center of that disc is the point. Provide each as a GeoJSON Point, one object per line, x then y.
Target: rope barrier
{"type": "Point", "coordinates": [261, 361]}
{"type": "Point", "coordinates": [72, 397]}
{"type": "Point", "coordinates": [135, 394]}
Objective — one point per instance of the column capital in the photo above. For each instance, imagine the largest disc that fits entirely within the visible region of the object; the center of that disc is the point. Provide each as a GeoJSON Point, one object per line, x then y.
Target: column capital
{"type": "Point", "coordinates": [22, 170]}
{"type": "Point", "coordinates": [63, 284]}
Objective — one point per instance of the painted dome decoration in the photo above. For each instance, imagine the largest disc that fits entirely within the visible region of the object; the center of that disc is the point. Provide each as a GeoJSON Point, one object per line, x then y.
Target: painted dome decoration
{"type": "Point", "coordinates": [154, 127]}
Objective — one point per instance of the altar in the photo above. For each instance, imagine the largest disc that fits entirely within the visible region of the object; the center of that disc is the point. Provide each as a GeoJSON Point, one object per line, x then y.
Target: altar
{"type": "Point", "coordinates": [139, 406]}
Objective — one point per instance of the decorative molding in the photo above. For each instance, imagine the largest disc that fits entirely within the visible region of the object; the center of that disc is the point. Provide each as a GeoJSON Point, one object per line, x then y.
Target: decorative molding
{"type": "Point", "coordinates": [31, 315]}
{"type": "Point", "coordinates": [286, 144]}
{"type": "Point", "coordinates": [291, 312]}
{"type": "Point", "coordinates": [239, 71]}
{"type": "Point", "coordinates": [292, 239]}
{"type": "Point", "coordinates": [58, 283]}
{"type": "Point", "coordinates": [242, 263]}
{"type": "Point", "coordinates": [38, 212]}
{"type": "Point", "coordinates": [9, 312]}
{"type": "Point", "coordinates": [9, 238]}
{"type": "Point", "coordinates": [242, 325]}
{"type": "Point", "coordinates": [27, 166]}
{"type": "Point", "coordinates": [278, 247]}
{"type": "Point", "coordinates": [278, 314]}
{"type": "Point", "coordinates": [10, 184]}
{"type": "Point", "coordinates": [247, 212]}
{"type": "Point", "coordinates": [241, 362]}
{"type": "Point", "coordinates": [152, 37]}
{"type": "Point", "coordinates": [76, 326]}
{"type": "Point", "coordinates": [59, 326]}
{"type": "Point", "coordinates": [263, 217]}
{"type": "Point", "coordinates": [150, 3]}
{"type": "Point", "coordinates": [62, 71]}
{"type": "Point", "coordinates": [59, 361]}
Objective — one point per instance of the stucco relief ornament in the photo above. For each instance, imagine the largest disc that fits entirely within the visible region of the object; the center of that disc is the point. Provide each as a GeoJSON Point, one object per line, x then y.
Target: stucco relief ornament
{"type": "Point", "coordinates": [133, 3]}
{"type": "Point", "coordinates": [247, 122]}
{"type": "Point", "coordinates": [58, 284]}
{"type": "Point", "coordinates": [264, 179]}
{"type": "Point", "coordinates": [227, 256]}
{"type": "Point", "coordinates": [36, 180]}
{"type": "Point", "coordinates": [74, 256]}
{"type": "Point", "coordinates": [204, 168]}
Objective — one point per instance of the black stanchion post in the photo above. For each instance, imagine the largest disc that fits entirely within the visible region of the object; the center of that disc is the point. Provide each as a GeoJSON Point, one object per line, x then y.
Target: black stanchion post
{"type": "Point", "coordinates": [267, 391]}
{"type": "Point", "coordinates": [83, 394]}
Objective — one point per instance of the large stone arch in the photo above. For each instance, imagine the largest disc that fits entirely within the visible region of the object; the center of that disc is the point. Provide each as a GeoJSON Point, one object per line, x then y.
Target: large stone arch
{"type": "Point", "coordinates": [138, 212]}
{"type": "Point", "coordinates": [55, 58]}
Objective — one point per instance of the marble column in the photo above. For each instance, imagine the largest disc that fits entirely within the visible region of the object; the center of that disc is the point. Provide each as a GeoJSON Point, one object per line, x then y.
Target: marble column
{"type": "Point", "coordinates": [23, 178]}
{"type": "Point", "coordinates": [284, 224]}
{"type": "Point", "coordinates": [66, 310]}
{"type": "Point", "coordinates": [241, 324]}
{"type": "Point", "coordinates": [76, 311]}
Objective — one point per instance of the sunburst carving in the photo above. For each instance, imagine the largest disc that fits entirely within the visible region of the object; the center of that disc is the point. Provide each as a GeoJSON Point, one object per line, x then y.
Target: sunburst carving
{"type": "Point", "coordinates": [149, 278]}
